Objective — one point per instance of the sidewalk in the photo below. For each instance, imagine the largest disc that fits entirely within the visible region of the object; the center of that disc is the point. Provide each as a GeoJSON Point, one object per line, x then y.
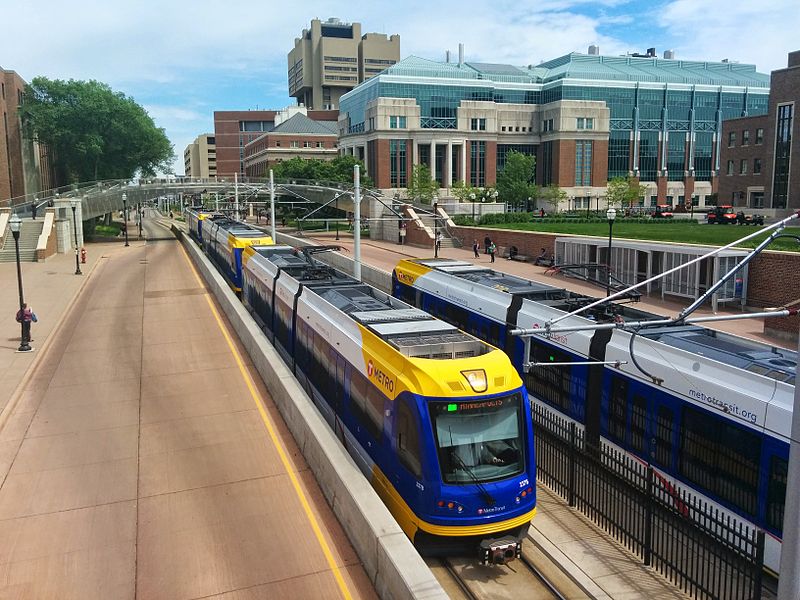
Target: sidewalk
{"type": "Point", "coordinates": [49, 288]}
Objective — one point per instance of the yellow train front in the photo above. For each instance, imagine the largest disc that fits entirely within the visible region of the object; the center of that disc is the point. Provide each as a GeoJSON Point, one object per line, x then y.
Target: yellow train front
{"type": "Point", "coordinates": [438, 420]}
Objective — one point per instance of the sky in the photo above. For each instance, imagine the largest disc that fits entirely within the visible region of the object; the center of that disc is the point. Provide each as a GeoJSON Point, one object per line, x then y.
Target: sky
{"type": "Point", "coordinates": [184, 59]}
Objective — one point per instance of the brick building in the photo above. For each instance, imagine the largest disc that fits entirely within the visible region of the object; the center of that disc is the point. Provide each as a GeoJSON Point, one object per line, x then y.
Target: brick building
{"type": "Point", "coordinates": [758, 152]}
{"type": "Point", "coordinates": [297, 137]}
{"type": "Point", "coordinates": [234, 129]}
{"type": "Point", "coordinates": [587, 118]}
{"type": "Point", "coordinates": [25, 166]}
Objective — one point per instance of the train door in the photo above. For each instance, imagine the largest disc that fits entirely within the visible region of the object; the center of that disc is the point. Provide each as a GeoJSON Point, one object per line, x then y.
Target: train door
{"type": "Point", "coordinates": [594, 386]}
{"type": "Point", "coordinates": [407, 476]}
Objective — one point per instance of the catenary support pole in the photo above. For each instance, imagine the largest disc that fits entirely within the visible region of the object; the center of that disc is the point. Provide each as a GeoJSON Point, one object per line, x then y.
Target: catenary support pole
{"type": "Point", "coordinates": [236, 196]}
{"type": "Point", "coordinates": [789, 581]}
{"type": "Point", "coordinates": [272, 207]}
{"type": "Point", "coordinates": [357, 222]}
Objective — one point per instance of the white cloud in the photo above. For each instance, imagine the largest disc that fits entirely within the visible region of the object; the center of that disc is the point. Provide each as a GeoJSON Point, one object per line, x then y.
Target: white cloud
{"type": "Point", "coordinates": [760, 33]}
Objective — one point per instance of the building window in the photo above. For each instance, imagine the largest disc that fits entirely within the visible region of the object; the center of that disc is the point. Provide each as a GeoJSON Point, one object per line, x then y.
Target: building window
{"type": "Point", "coordinates": [745, 137]}
{"type": "Point", "coordinates": [372, 124]}
{"type": "Point", "coordinates": [547, 125]}
{"type": "Point", "coordinates": [756, 166]}
{"type": "Point", "coordinates": [320, 145]}
{"type": "Point", "coordinates": [397, 122]}
{"type": "Point", "coordinates": [743, 167]}
{"type": "Point", "coordinates": [503, 128]}
{"type": "Point", "coordinates": [756, 199]}
{"type": "Point", "coordinates": [585, 123]}
{"type": "Point", "coordinates": [478, 124]}
{"type": "Point", "coordinates": [306, 144]}
{"type": "Point", "coordinates": [294, 144]}
{"type": "Point", "coordinates": [477, 171]}
{"type": "Point", "coordinates": [397, 162]}
{"type": "Point", "coordinates": [583, 162]}
{"type": "Point", "coordinates": [730, 167]}
{"type": "Point", "coordinates": [277, 143]}
{"type": "Point", "coordinates": [783, 151]}
{"type": "Point", "coordinates": [731, 139]}
{"type": "Point", "coordinates": [759, 136]}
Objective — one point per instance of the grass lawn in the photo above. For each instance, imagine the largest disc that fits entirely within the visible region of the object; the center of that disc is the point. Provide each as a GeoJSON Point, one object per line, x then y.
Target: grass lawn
{"type": "Point", "coordinates": [681, 232]}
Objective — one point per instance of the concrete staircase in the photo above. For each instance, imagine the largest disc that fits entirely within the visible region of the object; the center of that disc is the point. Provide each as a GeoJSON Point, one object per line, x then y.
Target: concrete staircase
{"type": "Point", "coordinates": [28, 237]}
{"type": "Point", "coordinates": [447, 240]}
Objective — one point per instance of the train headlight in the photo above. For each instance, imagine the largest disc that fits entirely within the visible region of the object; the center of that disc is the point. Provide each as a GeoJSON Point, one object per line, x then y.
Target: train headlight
{"type": "Point", "coordinates": [476, 379]}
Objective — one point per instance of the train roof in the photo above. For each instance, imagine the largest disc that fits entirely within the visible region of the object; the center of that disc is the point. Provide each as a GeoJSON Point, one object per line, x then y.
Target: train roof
{"type": "Point", "coordinates": [756, 357]}
{"type": "Point", "coordinates": [411, 331]}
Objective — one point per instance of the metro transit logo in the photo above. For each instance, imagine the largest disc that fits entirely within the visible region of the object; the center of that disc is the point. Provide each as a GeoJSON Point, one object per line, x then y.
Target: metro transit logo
{"type": "Point", "coordinates": [382, 379]}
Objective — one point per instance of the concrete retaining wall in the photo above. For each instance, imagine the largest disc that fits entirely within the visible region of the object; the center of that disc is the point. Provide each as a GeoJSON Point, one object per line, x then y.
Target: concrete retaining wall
{"type": "Point", "coordinates": [389, 558]}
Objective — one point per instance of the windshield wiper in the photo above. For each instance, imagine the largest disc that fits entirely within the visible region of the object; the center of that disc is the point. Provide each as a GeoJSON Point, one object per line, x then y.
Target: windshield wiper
{"type": "Point", "coordinates": [484, 492]}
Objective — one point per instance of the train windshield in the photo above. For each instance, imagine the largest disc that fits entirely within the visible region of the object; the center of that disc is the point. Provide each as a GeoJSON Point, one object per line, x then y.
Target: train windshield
{"type": "Point", "coordinates": [479, 440]}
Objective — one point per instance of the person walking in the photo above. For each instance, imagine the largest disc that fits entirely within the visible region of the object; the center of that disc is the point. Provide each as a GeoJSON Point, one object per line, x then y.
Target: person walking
{"type": "Point", "coordinates": [492, 250]}
{"type": "Point", "coordinates": [26, 316]}
{"type": "Point", "coordinates": [438, 242]}
{"type": "Point", "coordinates": [486, 241]}
{"type": "Point", "coordinates": [475, 248]}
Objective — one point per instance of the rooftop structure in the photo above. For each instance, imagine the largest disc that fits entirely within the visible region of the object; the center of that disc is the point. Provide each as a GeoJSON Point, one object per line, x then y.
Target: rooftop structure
{"type": "Point", "coordinates": [333, 57]}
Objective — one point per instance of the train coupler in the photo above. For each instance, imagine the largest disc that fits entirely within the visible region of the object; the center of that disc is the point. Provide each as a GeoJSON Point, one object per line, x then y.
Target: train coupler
{"type": "Point", "coordinates": [500, 551]}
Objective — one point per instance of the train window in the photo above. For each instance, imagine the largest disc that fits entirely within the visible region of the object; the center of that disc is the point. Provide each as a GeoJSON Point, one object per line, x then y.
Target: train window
{"type": "Point", "coordinates": [550, 384]}
{"type": "Point", "coordinates": [664, 430]}
{"type": "Point", "coordinates": [776, 492]}
{"type": "Point", "coordinates": [479, 440]}
{"type": "Point", "coordinates": [283, 320]}
{"type": "Point", "coordinates": [638, 422]}
{"type": "Point", "coordinates": [324, 367]}
{"type": "Point", "coordinates": [721, 457]}
{"type": "Point", "coordinates": [406, 293]}
{"type": "Point", "coordinates": [301, 351]}
{"type": "Point", "coordinates": [374, 407]}
{"type": "Point", "coordinates": [616, 408]}
{"type": "Point", "coordinates": [359, 391]}
{"type": "Point", "coordinates": [408, 439]}
{"type": "Point", "coordinates": [457, 316]}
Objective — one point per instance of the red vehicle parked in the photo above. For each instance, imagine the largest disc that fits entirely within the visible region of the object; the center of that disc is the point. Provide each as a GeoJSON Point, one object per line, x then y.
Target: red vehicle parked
{"type": "Point", "coordinates": [723, 214]}
{"type": "Point", "coordinates": [662, 211]}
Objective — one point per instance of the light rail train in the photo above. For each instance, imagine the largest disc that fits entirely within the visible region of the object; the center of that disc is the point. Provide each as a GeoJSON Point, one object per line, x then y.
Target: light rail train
{"type": "Point", "coordinates": [224, 239]}
{"type": "Point", "coordinates": [709, 410]}
{"type": "Point", "coordinates": [436, 419]}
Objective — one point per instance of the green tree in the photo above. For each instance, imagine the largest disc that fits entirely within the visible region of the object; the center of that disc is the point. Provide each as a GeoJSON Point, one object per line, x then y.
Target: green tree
{"type": "Point", "coordinates": [466, 192]}
{"type": "Point", "coordinates": [420, 185]}
{"type": "Point", "coordinates": [339, 169]}
{"type": "Point", "coordinates": [624, 192]}
{"type": "Point", "coordinates": [515, 183]}
{"type": "Point", "coordinates": [553, 196]}
{"type": "Point", "coordinates": [94, 133]}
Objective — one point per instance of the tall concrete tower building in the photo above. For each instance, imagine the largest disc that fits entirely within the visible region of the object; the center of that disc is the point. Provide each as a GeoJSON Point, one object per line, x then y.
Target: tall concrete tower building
{"type": "Point", "coordinates": [333, 57]}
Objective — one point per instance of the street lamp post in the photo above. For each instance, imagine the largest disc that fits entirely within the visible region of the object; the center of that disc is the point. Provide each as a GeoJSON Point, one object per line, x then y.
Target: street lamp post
{"type": "Point", "coordinates": [125, 216]}
{"type": "Point", "coordinates": [15, 224]}
{"type": "Point", "coordinates": [435, 227]}
{"type": "Point", "coordinates": [472, 200]}
{"type": "Point", "coordinates": [74, 203]}
{"type": "Point", "coordinates": [139, 216]}
{"type": "Point", "coordinates": [611, 214]}
{"type": "Point", "coordinates": [337, 218]}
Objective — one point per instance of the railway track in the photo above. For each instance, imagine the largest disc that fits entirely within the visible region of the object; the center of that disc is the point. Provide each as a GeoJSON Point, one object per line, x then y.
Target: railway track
{"type": "Point", "coordinates": [463, 578]}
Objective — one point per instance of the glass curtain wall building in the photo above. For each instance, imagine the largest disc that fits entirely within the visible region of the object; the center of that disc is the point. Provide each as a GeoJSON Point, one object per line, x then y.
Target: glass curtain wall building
{"type": "Point", "coordinates": [655, 119]}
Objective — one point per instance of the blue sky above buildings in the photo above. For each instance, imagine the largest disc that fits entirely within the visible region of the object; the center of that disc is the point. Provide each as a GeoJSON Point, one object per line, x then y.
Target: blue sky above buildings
{"type": "Point", "coordinates": [184, 59]}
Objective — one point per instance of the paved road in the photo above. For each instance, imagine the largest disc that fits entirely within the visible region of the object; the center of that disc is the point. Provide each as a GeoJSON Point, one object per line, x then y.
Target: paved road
{"type": "Point", "coordinates": [145, 459]}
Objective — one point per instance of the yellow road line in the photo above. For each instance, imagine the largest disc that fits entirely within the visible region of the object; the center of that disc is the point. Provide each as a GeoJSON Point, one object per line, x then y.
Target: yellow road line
{"type": "Point", "coordinates": [259, 402]}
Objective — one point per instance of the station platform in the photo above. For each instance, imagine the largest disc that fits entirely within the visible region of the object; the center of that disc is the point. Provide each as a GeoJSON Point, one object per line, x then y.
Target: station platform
{"type": "Point", "coordinates": [140, 454]}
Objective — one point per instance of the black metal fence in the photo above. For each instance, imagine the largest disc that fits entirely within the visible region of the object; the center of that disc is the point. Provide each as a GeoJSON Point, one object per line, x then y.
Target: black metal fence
{"type": "Point", "coordinates": [709, 555]}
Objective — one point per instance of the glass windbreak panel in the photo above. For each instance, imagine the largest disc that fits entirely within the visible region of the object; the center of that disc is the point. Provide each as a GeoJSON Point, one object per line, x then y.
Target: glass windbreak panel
{"type": "Point", "coordinates": [479, 440]}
